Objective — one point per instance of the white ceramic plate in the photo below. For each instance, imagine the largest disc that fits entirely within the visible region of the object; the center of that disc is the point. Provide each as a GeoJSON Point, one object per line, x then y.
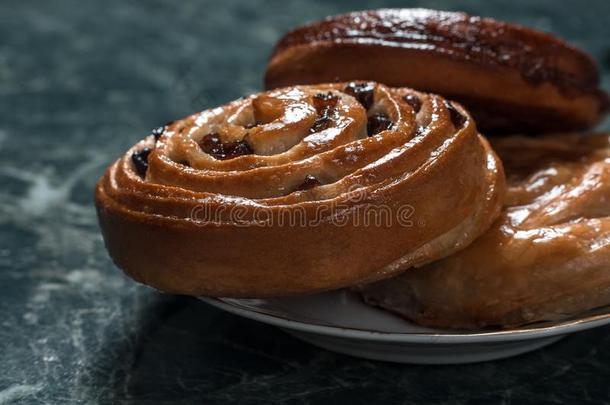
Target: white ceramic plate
{"type": "Point", "coordinates": [340, 322]}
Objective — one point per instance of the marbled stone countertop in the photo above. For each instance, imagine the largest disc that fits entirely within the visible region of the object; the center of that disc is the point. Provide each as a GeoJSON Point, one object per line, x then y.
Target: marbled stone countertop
{"type": "Point", "coordinates": [80, 81]}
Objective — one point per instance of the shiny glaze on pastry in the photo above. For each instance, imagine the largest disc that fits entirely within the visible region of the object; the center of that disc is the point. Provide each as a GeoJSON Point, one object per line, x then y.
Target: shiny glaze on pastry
{"type": "Point", "coordinates": [270, 194]}
{"type": "Point", "coordinates": [546, 258]}
{"type": "Point", "coordinates": [509, 77]}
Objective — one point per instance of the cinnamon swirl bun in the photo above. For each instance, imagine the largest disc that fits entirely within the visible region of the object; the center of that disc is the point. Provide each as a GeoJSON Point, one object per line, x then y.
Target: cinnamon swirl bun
{"type": "Point", "coordinates": [546, 258]}
{"type": "Point", "coordinates": [509, 77]}
{"type": "Point", "coordinates": [299, 189]}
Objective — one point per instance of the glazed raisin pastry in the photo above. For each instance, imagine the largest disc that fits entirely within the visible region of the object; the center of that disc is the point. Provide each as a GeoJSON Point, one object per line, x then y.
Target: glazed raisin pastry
{"type": "Point", "coordinates": [298, 190]}
{"type": "Point", "coordinates": [546, 258]}
{"type": "Point", "coordinates": [509, 77]}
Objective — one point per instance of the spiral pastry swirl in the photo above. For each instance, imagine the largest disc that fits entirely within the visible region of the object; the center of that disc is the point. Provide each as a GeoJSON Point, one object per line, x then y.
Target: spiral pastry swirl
{"type": "Point", "coordinates": [299, 189]}
{"type": "Point", "coordinates": [546, 258]}
{"type": "Point", "coordinates": [511, 78]}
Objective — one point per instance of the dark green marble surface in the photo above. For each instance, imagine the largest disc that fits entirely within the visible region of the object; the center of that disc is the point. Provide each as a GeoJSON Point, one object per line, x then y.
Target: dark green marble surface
{"type": "Point", "coordinates": [80, 81]}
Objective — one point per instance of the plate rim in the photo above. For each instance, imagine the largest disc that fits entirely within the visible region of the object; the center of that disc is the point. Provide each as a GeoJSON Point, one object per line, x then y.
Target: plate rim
{"type": "Point", "coordinates": [561, 328]}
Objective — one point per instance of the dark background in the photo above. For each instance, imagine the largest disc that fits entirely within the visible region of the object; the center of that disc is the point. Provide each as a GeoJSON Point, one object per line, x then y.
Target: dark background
{"type": "Point", "coordinates": [80, 81]}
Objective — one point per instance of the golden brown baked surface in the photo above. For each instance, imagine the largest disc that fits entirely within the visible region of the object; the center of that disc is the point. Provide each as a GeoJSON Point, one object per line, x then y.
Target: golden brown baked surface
{"type": "Point", "coordinates": [546, 258]}
{"type": "Point", "coordinates": [509, 77]}
{"type": "Point", "coordinates": [300, 189]}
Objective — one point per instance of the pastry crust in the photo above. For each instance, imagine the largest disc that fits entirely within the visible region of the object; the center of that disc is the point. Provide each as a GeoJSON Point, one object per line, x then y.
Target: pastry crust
{"type": "Point", "coordinates": [509, 77]}
{"type": "Point", "coordinates": [280, 201]}
{"type": "Point", "coordinates": [546, 258]}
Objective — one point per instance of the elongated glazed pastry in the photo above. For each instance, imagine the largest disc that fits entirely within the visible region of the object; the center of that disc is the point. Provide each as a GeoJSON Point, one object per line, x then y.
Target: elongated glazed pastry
{"type": "Point", "coordinates": [511, 78]}
{"type": "Point", "coordinates": [300, 189]}
{"type": "Point", "coordinates": [546, 258]}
